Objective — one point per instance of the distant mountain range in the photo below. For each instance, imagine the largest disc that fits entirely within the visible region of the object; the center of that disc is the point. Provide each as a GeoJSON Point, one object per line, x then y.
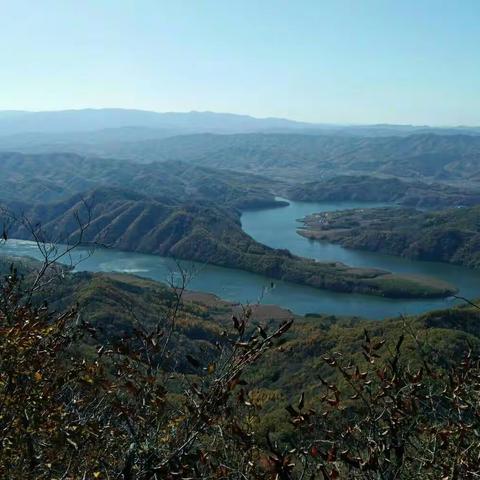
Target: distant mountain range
{"type": "Point", "coordinates": [88, 120]}
{"type": "Point", "coordinates": [290, 157]}
{"type": "Point", "coordinates": [277, 148]}
{"type": "Point", "coordinates": [14, 122]}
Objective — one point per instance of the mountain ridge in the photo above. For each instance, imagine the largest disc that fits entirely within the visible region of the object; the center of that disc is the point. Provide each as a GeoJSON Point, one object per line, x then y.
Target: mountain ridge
{"type": "Point", "coordinates": [89, 119]}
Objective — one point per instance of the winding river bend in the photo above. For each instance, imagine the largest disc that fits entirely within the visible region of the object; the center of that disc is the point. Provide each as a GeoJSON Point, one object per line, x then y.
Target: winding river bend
{"type": "Point", "coordinates": [276, 227]}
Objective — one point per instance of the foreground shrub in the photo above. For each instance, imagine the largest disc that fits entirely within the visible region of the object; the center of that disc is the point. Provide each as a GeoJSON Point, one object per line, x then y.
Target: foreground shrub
{"type": "Point", "coordinates": [74, 405]}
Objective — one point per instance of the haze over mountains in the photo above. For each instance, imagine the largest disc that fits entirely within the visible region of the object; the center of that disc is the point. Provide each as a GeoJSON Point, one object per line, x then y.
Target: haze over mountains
{"type": "Point", "coordinates": [299, 156]}
{"type": "Point", "coordinates": [277, 148]}
{"type": "Point", "coordinates": [87, 120]}
{"type": "Point", "coordinates": [13, 122]}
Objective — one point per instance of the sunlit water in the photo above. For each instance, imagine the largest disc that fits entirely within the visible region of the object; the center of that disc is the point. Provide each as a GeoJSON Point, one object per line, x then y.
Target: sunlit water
{"type": "Point", "coordinates": [276, 227]}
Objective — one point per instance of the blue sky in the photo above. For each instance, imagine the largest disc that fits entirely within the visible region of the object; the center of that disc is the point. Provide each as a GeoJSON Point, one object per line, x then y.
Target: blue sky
{"type": "Point", "coordinates": [363, 61]}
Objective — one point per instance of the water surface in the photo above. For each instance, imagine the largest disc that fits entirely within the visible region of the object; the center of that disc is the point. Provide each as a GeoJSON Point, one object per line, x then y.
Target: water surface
{"type": "Point", "coordinates": [276, 227]}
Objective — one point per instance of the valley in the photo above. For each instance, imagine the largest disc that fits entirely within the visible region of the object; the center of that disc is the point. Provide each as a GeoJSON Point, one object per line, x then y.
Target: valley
{"type": "Point", "coordinates": [276, 228]}
{"type": "Point", "coordinates": [381, 259]}
{"type": "Point", "coordinates": [190, 209]}
{"type": "Point", "coordinates": [200, 232]}
{"type": "Point", "coordinates": [170, 209]}
{"type": "Point", "coordinates": [240, 240]}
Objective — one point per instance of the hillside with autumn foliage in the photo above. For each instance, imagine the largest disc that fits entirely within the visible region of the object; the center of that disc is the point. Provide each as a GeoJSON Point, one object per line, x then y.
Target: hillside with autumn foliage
{"type": "Point", "coordinates": [113, 376]}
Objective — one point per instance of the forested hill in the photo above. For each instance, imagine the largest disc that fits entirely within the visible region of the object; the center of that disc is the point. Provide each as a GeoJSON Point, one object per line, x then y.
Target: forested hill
{"type": "Point", "coordinates": [56, 176]}
{"type": "Point", "coordinates": [112, 304]}
{"type": "Point", "coordinates": [300, 156]}
{"type": "Point", "coordinates": [429, 154]}
{"type": "Point", "coordinates": [202, 232]}
{"type": "Point", "coordinates": [450, 235]}
{"type": "Point", "coordinates": [109, 300]}
{"type": "Point", "coordinates": [393, 190]}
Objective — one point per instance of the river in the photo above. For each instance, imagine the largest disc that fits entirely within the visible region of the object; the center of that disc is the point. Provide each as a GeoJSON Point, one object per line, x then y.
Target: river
{"type": "Point", "coordinates": [276, 227]}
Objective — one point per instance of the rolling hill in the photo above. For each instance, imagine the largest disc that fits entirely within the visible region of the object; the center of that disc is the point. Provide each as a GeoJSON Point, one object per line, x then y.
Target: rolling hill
{"type": "Point", "coordinates": [393, 190]}
{"type": "Point", "coordinates": [55, 176]}
{"type": "Point", "coordinates": [112, 303]}
{"type": "Point", "coordinates": [296, 156]}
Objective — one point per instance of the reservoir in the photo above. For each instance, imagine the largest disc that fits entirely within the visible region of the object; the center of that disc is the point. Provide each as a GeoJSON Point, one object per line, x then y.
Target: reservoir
{"type": "Point", "coordinates": [276, 227]}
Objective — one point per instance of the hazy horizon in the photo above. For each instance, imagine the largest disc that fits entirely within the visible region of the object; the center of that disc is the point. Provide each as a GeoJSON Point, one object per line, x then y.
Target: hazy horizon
{"type": "Point", "coordinates": [242, 114]}
{"type": "Point", "coordinates": [329, 62]}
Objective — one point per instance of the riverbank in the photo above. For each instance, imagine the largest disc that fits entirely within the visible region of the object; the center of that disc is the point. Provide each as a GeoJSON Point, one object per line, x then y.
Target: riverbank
{"type": "Point", "coordinates": [241, 287]}
{"type": "Point", "coordinates": [449, 235]}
